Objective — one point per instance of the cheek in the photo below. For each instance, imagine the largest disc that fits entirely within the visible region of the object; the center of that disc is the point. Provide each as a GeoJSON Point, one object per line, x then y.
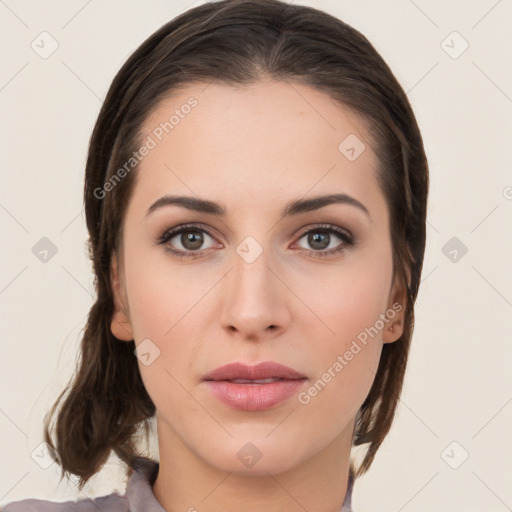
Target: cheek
{"type": "Point", "coordinates": [350, 305]}
{"type": "Point", "coordinates": [345, 360]}
{"type": "Point", "coordinates": [165, 303]}
{"type": "Point", "coordinates": [157, 290]}
{"type": "Point", "coordinates": [352, 339]}
{"type": "Point", "coordinates": [348, 301]}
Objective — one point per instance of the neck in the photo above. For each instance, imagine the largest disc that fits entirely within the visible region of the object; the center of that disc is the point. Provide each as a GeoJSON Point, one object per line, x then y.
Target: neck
{"type": "Point", "coordinates": [186, 482]}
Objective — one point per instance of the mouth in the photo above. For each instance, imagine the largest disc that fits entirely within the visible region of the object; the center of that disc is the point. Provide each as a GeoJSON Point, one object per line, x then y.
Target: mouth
{"type": "Point", "coordinates": [254, 388]}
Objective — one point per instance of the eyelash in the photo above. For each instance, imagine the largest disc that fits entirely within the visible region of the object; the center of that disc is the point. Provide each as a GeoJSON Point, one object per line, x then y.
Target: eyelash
{"type": "Point", "coordinates": [348, 240]}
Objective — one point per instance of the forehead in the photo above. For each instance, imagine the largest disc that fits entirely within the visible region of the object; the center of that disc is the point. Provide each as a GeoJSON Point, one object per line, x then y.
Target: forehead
{"type": "Point", "coordinates": [265, 141]}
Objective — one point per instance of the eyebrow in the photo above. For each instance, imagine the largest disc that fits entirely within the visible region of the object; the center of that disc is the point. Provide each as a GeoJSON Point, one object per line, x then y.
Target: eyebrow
{"type": "Point", "coordinates": [293, 208]}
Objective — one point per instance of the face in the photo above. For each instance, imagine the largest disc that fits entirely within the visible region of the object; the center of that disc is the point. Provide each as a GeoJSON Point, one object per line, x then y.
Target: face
{"type": "Point", "coordinates": [311, 289]}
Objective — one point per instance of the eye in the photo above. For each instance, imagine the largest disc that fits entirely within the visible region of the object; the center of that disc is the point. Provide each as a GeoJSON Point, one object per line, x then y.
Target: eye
{"type": "Point", "coordinates": [188, 239]}
{"type": "Point", "coordinates": [321, 238]}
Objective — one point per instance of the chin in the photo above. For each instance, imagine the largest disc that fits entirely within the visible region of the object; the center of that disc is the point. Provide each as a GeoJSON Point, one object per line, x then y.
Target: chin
{"type": "Point", "coordinates": [256, 457]}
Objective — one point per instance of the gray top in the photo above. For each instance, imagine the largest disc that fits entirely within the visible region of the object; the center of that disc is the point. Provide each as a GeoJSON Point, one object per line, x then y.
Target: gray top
{"type": "Point", "coordinates": [139, 497]}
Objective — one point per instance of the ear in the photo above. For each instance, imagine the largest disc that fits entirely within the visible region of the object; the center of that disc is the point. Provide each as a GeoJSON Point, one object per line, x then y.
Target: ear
{"type": "Point", "coordinates": [120, 324]}
{"type": "Point", "coordinates": [396, 309]}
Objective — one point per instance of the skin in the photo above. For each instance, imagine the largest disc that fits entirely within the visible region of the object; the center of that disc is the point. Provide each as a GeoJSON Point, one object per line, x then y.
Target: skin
{"type": "Point", "coordinates": [254, 149]}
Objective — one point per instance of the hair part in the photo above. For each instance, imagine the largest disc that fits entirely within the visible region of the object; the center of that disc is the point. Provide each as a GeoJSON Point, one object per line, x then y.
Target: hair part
{"type": "Point", "coordinates": [233, 42]}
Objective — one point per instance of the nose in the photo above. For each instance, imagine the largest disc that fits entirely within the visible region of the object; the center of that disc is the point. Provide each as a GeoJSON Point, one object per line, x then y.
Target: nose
{"type": "Point", "coordinates": [255, 299]}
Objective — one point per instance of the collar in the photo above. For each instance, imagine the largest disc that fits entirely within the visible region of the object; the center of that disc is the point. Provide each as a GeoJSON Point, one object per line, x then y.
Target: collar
{"type": "Point", "coordinates": [139, 490]}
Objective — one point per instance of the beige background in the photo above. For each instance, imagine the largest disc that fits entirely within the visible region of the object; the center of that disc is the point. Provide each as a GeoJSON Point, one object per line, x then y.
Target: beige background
{"type": "Point", "coordinates": [458, 384]}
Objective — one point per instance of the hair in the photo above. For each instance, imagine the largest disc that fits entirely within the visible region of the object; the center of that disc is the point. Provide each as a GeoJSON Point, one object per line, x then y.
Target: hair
{"type": "Point", "coordinates": [233, 42]}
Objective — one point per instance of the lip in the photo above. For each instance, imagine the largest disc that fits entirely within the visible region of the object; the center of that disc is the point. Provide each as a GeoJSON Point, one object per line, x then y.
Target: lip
{"type": "Point", "coordinates": [264, 370]}
{"type": "Point", "coordinates": [254, 396]}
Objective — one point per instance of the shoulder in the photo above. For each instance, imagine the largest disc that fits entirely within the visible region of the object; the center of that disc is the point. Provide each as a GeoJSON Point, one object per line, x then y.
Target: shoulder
{"type": "Point", "coordinates": [138, 496]}
{"type": "Point", "coordinates": [110, 503]}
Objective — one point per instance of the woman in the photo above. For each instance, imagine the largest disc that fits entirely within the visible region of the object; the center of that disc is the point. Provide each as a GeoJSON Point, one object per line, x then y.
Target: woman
{"type": "Point", "coordinates": [256, 194]}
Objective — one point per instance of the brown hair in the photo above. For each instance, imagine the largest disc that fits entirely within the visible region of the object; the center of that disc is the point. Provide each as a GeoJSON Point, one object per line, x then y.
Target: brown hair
{"type": "Point", "coordinates": [233, 42]}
